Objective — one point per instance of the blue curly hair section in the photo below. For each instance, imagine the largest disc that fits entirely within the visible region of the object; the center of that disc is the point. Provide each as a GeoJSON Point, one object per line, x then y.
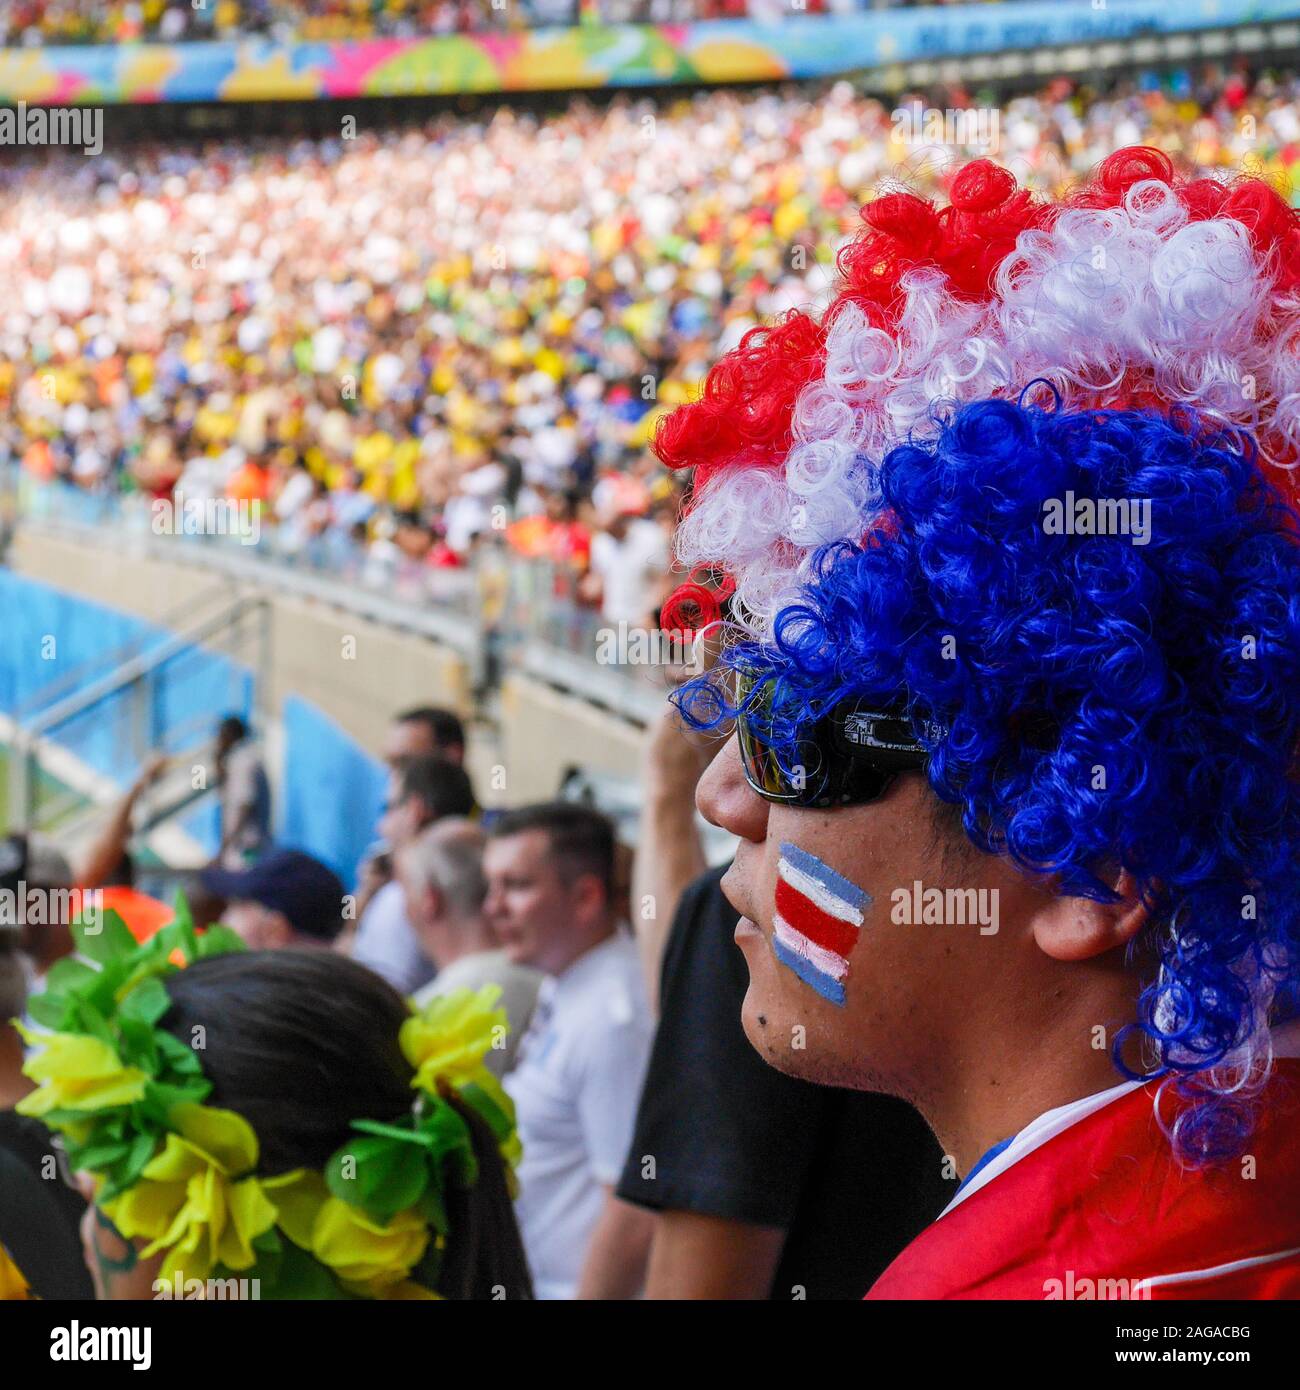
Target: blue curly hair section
{"type": "Point", "coordinates": [1120, 701]}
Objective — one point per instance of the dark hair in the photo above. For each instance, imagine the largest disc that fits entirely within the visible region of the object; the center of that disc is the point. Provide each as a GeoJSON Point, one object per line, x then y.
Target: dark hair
{"type": "Point", "coordinates": [13, 975]}
{"type": "Point", "coordinates": [445, 728]}
{"type": "Point", "coordinates": [232, 727]}
{"type": "Point", "coordinates": [444, 787]}
{"type": "Point", "coordinates": [301, 1043]}
{"type": "Point", "coordinates": [581, 838]}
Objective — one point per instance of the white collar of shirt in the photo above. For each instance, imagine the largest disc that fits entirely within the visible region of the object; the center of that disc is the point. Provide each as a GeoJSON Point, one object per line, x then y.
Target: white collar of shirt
{"type": "Point", "coordinates": [1286, 1043]}
{"type": "Point", "coordinates": [573, 977]}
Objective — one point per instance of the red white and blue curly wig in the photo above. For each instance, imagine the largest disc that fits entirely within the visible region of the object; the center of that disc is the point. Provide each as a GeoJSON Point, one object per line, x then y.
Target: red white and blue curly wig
{"type": "Point", "coordinates": [874, 482]}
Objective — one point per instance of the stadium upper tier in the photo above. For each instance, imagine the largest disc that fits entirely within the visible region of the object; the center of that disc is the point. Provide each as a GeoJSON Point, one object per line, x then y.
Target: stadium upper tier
{"type": "Point", "coordinates": [401, 341]}
{"type": "Point", "coordinates": [271, 52]}
{"type": "Point", "coordinates": [35, 22]}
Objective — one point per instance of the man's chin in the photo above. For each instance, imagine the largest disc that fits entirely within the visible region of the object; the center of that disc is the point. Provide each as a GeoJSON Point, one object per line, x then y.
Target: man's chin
{"type": "Point", "coordinates": [521, 953]}
{"type": "Point", "coordinates": [796, 1037]}
{"type": "Point", "coordinates": [774, 1034]}
{"type": "Point", "coordinates": [773, 1047]}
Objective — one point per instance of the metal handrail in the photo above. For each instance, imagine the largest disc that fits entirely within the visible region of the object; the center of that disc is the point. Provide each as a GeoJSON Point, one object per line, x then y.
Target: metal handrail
{"type": "Point", "coordinates": [116, 656]}
{"type": "Point", "coordinates": [131, 671]}
{"type": "Point", "coordinates": [569, 671]}
{"type": "Point", "coordinates": [138, 674]}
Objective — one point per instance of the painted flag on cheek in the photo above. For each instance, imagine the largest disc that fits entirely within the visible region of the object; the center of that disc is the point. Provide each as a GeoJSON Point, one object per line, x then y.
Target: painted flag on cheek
{"type": "Point", "coordinates": [818, 916]}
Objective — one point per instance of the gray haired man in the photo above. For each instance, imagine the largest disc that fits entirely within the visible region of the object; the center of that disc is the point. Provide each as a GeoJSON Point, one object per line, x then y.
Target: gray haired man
{"type": "Point", "coordinates": [441, 874]}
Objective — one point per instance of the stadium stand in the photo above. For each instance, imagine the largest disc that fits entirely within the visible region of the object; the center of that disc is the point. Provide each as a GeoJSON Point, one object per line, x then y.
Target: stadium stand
{"type": "Point", "coordinates": [305, 324]}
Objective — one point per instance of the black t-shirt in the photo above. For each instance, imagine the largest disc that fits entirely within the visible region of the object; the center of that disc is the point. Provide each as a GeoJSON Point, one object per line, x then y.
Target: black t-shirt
{"type": "Point", "coordinates": [852, 1177]}
{"type": "Point", "coordinates": [39, 1215]}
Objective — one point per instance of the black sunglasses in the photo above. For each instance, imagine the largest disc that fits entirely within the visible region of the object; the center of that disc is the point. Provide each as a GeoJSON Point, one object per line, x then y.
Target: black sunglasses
{"type": "Point", "coordinates": [849, 757]}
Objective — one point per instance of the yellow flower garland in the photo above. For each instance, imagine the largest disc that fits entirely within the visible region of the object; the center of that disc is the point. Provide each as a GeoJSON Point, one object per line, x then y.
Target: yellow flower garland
{"type": "Point", "coordinates": [198, 1200]}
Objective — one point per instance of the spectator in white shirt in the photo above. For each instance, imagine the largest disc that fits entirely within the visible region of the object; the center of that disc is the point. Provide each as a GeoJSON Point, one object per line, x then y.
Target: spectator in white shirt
{"type": "Point", "coordinates": [245, 795]}
{"type": "Point", "coordinates": [550, 874]}
{"type": "Point", "coordinates": [441, 873]}
{"type": "Point", "coordinates": [629, 559]}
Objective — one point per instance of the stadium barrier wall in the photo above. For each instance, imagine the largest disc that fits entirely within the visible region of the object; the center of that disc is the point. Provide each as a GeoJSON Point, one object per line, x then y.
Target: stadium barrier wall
{"type": "Point", "coordinates": [332, 792]}
{"type": "Point", "coordinates": [592, 56]}
{"type": "Point", "coordinates": [329, 790]}
{"type": "Point", "coordinates": [356, 670]}
{"type": "Point", "coordinates": [50, 634]}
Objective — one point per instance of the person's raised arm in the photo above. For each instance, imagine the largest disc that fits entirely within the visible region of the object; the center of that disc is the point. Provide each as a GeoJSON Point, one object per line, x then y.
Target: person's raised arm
{"type": "Point", "coordinates": [669, 853]}
{"type": "Point", "coordinates": [103, 855]}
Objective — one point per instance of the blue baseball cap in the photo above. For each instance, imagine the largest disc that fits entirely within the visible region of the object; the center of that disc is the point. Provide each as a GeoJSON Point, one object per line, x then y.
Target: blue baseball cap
{"type": "Point", "coordinates": [307, 892]}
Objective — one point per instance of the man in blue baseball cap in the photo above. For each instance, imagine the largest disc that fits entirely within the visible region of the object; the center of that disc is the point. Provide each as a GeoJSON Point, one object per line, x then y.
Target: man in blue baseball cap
{"type": "Point", "coordinates": [286, 899]}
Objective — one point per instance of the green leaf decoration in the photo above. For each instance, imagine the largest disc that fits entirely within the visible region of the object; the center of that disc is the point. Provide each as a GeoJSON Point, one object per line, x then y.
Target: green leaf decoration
{"type": "Point", "coordinates": [183, 919]}
{"type": "Point", "coordinates": [269, 1242]}
{"type": "Point", "coordinates": [161, 1097]}
{"type": "Point", "coordinates": [147, 1002]}
{"type": "Point", "coordinates": [403, 1136]}
{"type": "Point", "coordinates": [389, 1176]}
{"type": "Point", "coordinates": [95, 1023]}
{"type": "Point", "coordinates": [142, 1150]}
{"type": "Point", "coordinates": [102, 1155]}
{"type": "Point", "coordinates": [218, 940]}
{"type": "Point", "coordinates": [103, 940]}
{"type": "Point", "coordinates": [181, 1057]}
{"type": "Point", "coordinates": [67, 974]}
{"type": "Point", "coordinates": [434, 1210]}
{"type": "Point", "coordinates": [137, 1047]}
{"type": "Point", "coordinates": [450, 1141]}
{"type": "Point", "coordinates": [53, 1011]}
{"type": "Point", "coordinates": [304, 1278]}
{"type": "Point", "coordinates": [282, 1271]}
{"type": "Point", "coordinates": [496, 1119]}
{"type": "Point", "coordinates": [125, 1173]}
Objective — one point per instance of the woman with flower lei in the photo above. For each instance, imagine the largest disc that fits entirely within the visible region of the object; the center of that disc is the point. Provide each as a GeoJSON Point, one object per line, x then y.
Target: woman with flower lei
{"type": "Point", "coordinates": [276, 1122]}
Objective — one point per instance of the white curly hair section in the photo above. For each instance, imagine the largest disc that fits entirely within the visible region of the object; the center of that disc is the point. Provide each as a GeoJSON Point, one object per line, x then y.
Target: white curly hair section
{"type": "Point", "coordinates": [1102, 304]}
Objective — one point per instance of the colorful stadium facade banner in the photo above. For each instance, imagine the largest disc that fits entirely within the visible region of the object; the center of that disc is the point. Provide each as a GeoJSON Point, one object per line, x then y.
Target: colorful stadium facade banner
{"type": "Point", "coordinates": [590, 56]}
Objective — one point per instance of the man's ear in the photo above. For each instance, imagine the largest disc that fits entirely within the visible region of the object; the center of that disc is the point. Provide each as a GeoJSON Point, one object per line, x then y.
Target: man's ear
{"type": "Point", "coordinates": [1072, 929]}
{"type": "Point", "coordinates": [278, 931]}
{"type": "Point", "coordinates": [588, 894]}
{"type": "Point", "coordinates": [434, 904]}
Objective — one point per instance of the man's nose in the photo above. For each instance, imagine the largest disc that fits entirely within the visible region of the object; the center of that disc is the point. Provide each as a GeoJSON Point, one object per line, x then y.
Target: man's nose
{"type": "Point", "coordinates": [725, 799]}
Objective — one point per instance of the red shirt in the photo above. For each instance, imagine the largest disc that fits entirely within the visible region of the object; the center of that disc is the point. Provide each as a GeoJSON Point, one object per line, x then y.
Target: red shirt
{"type": "Point", "coordinates": [1102, 1209]}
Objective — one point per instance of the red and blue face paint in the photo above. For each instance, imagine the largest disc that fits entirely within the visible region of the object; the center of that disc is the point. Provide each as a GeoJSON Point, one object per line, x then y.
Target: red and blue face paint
{"type": "Point", "coordinates": [818, 916]}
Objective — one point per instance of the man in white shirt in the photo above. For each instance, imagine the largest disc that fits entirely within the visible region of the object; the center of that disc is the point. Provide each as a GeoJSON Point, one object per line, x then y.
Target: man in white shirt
{"type": "Point", "coordinates": [550, 874]}
{"type": "Point", "coordinates": [441, 873]}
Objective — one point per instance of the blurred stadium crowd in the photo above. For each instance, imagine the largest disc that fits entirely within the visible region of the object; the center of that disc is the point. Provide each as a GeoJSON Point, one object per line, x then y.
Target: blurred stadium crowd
{"type": "Point", "coordinates": [35, 22]}
{"type": "Point", "coordinates": [419, 342]}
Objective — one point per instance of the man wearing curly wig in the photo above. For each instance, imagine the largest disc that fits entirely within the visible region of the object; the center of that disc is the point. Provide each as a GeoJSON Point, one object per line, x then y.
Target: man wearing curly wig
{"type": "Point", "coordinates": [1014, 676]}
